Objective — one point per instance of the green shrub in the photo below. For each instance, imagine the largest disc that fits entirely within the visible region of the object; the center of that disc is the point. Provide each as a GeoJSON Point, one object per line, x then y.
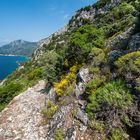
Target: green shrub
{"type": "Point", "coordinates": [112, 94]}
{"type": "Point", "coordinates": [99, 126]}
{"type": "Point", "coordinates": [97, 56]}
{"type": "Point", "coordinates": [116, 20]}
{"type": "Point", "coordinates": [50, 110]}
{"type": "Point", "coordinates": [127, 121]}
{"type": "Point", "coordinates": [129, 63]}
{"type": "Point", "coordinates": [52, 64]}
{"type": "Point", "coordinates": [35, 74]}
{"type": "Point", "coordinates": [82, 41]}
{"type": "Point", "coordinates": [117, 13]}
{"type": "Point", "coordinates": [59, 134]}
{"type": "Point", "coordinates": [129, 67]}
{"type": "Point", "coordinates": [49, 47]}
{"type": "Point", "coordinates": [94, 70]}
{"type": "Point", "coordinates": [87, 8]}
{"type": "Point", "coordinates": [118, 27]}
{"type": "Point", "coordinates": [85, 21]}
{"type": "Point", "coordinates": [94, 84]}
{"type": "Point", "coordinates": [101, 3]}
{"type": "Point", "coordinates": [8, 92]}
{"type": "Point", "coordinates": [87, 37]}
{"type": "Point", "coordinates": [2, 106]}
{"type": "Point", "coordinates": [117, 134]}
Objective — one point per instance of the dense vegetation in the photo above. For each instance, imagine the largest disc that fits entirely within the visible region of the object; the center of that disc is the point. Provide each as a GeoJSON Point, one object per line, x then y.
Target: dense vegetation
{"type": "Point", "coordinates": [114, 84]}
{"type": "Point", "coordinates": [112, 94]}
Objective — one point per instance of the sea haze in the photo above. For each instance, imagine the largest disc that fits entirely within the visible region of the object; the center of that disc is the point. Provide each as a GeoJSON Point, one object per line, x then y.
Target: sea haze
{"type": "Point", "coordinates": [8, 64]}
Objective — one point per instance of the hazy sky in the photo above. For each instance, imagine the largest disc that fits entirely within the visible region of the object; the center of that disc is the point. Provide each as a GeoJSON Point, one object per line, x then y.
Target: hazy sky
{"type": "Point", "coordinates": [33, 20]}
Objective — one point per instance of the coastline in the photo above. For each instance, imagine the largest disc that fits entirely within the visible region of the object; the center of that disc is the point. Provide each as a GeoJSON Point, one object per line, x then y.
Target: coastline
{"type": "Point", "coordinates": [11, 55]}
{"type": "Point", "coordinates": [2, 81]}
{"type": "Point", "coordinates": [10, 63]}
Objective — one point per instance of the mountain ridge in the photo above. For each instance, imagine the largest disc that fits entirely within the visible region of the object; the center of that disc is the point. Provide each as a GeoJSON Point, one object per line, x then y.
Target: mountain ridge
{"type": "Point", "coordinates": [19, 47]}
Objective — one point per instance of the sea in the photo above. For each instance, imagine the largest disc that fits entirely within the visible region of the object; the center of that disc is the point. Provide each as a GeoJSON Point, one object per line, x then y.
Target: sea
{"type": "Point", "coordinates": [8, 64]}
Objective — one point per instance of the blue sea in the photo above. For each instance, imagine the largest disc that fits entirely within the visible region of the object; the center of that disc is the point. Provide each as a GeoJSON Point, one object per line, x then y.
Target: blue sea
{"type": "Point", "coordinates": [8, 64]}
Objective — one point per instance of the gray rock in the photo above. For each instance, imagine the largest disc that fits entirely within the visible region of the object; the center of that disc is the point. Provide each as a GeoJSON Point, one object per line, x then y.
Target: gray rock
{"type": "Point", "coordinates": [84, 74]}
{"type": "Point", "coordinates": [120, 40]}
{"type": "Point", "coordinates": [40, 50]}
{"type": "Point", "coordinates": [71, 133]}
{"type": "Point", "coordinates": [90, 15]}
{"type": "Point", "coordinates": [82, 104]}
{"type": "Point", "coordinates": [79, 89]}
{"type": "Point", "coordinates": [114, 54]}
{"type": "Point", "coordinates": [108, 6]}
{"type": "Point", "coordinates": [59, 120]}
{"type": "Point", "coordinates": [82, 116]}
{"type": "Point", "coordinates": [51, 96]}
{"type": "Point", "coordinates": [83, 128]}
{"type": "Point", "coordinates": [134, 43]}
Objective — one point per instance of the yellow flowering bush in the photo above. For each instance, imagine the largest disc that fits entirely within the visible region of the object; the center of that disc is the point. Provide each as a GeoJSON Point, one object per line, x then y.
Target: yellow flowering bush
{"type": "Point", "coordinates": [66, 81]}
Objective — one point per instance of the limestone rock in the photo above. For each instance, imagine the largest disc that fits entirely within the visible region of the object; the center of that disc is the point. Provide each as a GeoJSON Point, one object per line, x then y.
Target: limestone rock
{"type": "Point", "coordinates": [82, 116]}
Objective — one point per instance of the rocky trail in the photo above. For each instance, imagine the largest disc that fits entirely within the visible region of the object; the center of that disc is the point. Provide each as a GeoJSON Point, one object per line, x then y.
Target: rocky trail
{"type": "Point", "coordinates": [21, 119]}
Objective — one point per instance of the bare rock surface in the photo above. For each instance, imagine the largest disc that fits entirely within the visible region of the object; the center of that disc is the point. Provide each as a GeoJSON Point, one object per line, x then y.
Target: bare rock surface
{"type": "Point", "coordinates": [121, 39]}
{"type": "Point", "coordinates": [21, 120]}
{"type": "Point", "coordinates": [134, 43]}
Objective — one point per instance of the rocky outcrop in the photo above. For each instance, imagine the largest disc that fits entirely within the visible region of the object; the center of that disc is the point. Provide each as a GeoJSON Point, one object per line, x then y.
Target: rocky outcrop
{"type": "Point", "coordinates": [70, 117]}
{"type": "Point", "coordinates": [39, 51]}
{"type": "Point", "coordinates": [22, 119]}
{"type": "Point", "coordinates": [114, 55]}
{"type": "Point", "coordinates": [120, 40]}
{"type": "Point", "coordinates": [134, 43]}
{"type": "Point", "coordinates": [90, 14]}
{"type": "Point", "coordinates": [108, 6]}
{"type": "Point", "coordinates": [75, 22]}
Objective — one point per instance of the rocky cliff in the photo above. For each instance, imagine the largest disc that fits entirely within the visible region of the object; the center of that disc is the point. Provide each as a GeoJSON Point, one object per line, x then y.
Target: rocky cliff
{"type": "Point", "coordinates": [91, 80]}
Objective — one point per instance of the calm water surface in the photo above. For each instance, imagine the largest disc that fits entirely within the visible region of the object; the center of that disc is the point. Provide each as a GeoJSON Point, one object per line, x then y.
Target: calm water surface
{"type": "Point", "coordinates": [8, 64]}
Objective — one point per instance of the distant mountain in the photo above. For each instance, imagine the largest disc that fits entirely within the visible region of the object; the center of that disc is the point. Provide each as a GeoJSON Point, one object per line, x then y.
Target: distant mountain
{"type": "Point", "coordinates": [19, 47]}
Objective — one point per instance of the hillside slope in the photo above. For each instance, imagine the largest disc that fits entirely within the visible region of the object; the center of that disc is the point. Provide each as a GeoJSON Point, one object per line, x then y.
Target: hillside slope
{"type": "Point", "coordinates": [18, 47]}
{"type": "Point", "coordinates": [91, 70]}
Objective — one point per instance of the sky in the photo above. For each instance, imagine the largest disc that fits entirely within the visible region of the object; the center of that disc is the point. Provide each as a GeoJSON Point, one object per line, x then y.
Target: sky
{"type": "Point", "coordinates": [33, 20]}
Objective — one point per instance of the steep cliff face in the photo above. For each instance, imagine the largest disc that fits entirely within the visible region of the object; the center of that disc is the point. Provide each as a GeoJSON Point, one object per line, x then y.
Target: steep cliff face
{"type": "Point", "coordinates": [91, 86]}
